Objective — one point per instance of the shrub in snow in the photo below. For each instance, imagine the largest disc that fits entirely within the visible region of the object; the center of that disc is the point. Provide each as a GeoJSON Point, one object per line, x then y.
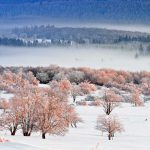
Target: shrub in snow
{"type": "Point", "coordinates": [90, 98]}
{"type": "Point", "coordinates": [109, 124]}
{"type": "Point", "coordinates": [81, 103]}
{"type": "Point", "coordinates": [75, 76]}
{"type": "Point", "coordinates": [136, 99]}
{"type": "Point", "coordinates": [59, 76]}
{"type": "Point", "coordinates": [95, 103]}
{"type": "Point", "coordinates": [72, 117]}
{"type": "Point", "coordinates": [75, 91]}
{"type": "Point", "coordinates": [42, 77]}
{"type": "Point", "coordinates": [4, 104]}
{"type": "Point", "coordinates": [87, 87]}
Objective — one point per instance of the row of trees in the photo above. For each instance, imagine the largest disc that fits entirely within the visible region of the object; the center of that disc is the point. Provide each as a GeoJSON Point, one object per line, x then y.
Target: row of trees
{"type": "Point", "coordinates": [61, 35]}
{"type": "Point", "coordinates": [119, 80]}
{"type": "Point", "coordinates": [13, 41]}
{"type": "Point", "coordinates": [97, 76]}
{"type": "Point", "coordinates": [122, 80]}
{"type": "Point", "coordinates": [47, 109]}
{"type": "Point", "coordinates": [37, 109]}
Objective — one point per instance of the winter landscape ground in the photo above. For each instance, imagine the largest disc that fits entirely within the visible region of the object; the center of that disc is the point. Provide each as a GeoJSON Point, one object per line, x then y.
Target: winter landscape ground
{"type": "Point", "coordinates": [76, 57]}
{"type": "Point", "coordinates": [135, 137]}
{"type": "Point", "coordinates": [74, 75]}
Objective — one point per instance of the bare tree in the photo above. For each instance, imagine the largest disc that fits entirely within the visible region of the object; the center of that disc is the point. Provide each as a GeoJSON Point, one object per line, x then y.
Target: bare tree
{"type": "Point", "coordinates": [109, 124]}
{"type": "Point", "coordinates": [110, 101]}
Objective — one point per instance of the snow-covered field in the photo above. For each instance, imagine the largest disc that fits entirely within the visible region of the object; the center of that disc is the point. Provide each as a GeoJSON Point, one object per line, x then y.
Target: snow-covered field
{"type": "Point", "coordinates": [86, 137]}
{"type": "Point", "coordinates": [74, 57]}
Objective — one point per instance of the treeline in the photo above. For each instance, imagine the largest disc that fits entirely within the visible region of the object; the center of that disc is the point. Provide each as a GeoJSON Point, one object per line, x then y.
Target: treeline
{"type": "Point", "coordinates": [80, 35]}
{"type": "Point", "coordinates": [11, 42]}
{"type": "Point", "coordinates": [4, 41]}
{"type": "Point", "coordinates": [122, 80]}
{"type": "Point", "coordinates": [51, 35]}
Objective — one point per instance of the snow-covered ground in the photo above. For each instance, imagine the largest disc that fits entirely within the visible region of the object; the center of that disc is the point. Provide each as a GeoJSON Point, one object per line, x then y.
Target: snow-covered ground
{"type": "Point", "coordinates": [5, 95]}
{"type": "Point", "coordinates": [86, 137]}
{"type": "Point", "coordinates": [74, 57]}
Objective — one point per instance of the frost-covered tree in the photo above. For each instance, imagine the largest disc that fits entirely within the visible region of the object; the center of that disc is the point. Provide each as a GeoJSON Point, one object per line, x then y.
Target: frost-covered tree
{"type": "Point", "coordinates": [60, 76]}
{"type": "Point", "coordinates": [27, 100]}
{"type": "Point", "coordinates": [42, 77]}
{"type": "Point", "coordinates": [109, 124]}
{"type": "Point", "coordinates": [110, 101]}
{"type": "Point", "coordinates": [76, 76]}
{"type": "Point", "coordinates": [76, 91]}
{"type": "Point", "coordinates": [54, 112]}
{"type": "Point", "coordinates": [10, 119]}
{"type": "Point", "coordinates": [87, 87]}
{"type": "Point", "coordinates": [137, 99]}
{"type": "Point", "coordinates": [51, 114]}
{"type": "Point", "coordinates": [4, 104]}
{"type": "Point", "coordinates": [72, 117]}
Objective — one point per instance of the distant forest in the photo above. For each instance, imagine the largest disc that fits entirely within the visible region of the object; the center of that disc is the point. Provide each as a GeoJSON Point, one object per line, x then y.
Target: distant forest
{"type": "Point", "coordinates": [123, 11]}
{"type": "Point", "coordinates": [45, 36]}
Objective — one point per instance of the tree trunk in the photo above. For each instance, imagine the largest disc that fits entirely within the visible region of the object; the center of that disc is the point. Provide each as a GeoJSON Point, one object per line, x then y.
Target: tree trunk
{"type": "Point", "coordinates": [109, 136]}
{"type": "Point", "coordinates": [13, 131]}
{"type": "Point", "coordinates": [43, 136]}
{"type": "Point", "coordinates": [26, 134]}
{"type": "Point", "coordinates": [28, 131]}
{"type": "Point", "coordinates": [75, 124]}
{"type": "Point", "coordinates": [109, 108]}
{"type": "Point", "coordinates": [74, 99]}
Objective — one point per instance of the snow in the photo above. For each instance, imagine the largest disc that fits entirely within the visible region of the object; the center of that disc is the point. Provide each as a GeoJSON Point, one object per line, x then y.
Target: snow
{"type": "Point", "coordinates": [14, 146]}
{"type": "Point", "coordinates": [74, 57]}
{"type": "Point", "coordinates": [5, 95]}
{"type": "Point", "coordinates": [86, 137]}
{"type": "Point", "coordinates": [44, 85]}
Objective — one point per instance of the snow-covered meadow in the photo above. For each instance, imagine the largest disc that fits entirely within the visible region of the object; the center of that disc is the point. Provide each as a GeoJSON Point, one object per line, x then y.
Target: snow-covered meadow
{"type": "Point", "coordinates": [136, 121]}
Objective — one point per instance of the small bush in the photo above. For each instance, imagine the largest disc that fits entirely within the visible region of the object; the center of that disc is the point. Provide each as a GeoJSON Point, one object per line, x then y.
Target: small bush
{"type": "Point", "coordinates": [81, 103]}
{"type": "Point", "coordinates": [95, 103]}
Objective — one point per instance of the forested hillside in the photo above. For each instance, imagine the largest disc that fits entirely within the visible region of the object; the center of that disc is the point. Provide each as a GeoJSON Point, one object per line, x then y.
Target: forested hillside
{"type": "Point", "coordinates": [123, 11]}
